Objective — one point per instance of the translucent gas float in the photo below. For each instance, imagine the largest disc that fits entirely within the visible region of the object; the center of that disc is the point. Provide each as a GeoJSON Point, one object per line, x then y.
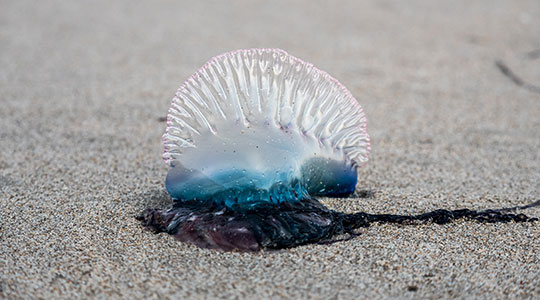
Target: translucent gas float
{"type": "Point", "coordinates": [260, 125]}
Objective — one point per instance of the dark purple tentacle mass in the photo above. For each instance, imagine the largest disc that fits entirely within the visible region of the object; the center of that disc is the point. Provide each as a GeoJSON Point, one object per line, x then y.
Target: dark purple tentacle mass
{"type": "Point", "coordinates": [285, 225]}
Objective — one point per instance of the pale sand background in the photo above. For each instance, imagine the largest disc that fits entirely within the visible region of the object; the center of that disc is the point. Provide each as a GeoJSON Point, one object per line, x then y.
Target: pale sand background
{"type": "Point", "coordinates": [82, 87]}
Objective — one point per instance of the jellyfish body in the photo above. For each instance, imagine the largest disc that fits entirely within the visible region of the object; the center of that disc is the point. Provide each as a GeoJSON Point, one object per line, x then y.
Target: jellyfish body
{"type": "Point", "coordinates": [251, 138]}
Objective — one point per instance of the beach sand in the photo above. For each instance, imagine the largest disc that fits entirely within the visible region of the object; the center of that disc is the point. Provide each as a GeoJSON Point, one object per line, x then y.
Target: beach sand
{"type": "Point", "coordinates": [84, 88]}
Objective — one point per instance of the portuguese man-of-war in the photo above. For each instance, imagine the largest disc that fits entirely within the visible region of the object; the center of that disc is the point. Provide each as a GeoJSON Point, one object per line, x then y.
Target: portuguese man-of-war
{"type": "Point", "coordinates": [251, 139]}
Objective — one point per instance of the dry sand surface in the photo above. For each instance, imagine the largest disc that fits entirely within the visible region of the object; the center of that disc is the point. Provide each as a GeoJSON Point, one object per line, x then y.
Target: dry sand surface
{"type": "Point", "coordinates": [84, 87]}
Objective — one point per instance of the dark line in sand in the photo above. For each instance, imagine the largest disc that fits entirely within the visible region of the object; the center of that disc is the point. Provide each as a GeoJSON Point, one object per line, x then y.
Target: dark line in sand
{"type": "Point", "coordinates": [514, 78]}
{"type": "Point", "coordinates": [443, 216]}
{"type": "Point", "coordinates": [534, 204]}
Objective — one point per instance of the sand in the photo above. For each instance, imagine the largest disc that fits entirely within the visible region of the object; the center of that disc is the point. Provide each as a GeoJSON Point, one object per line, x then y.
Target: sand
{"type": "Point", "coordinates": [84, 88]}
